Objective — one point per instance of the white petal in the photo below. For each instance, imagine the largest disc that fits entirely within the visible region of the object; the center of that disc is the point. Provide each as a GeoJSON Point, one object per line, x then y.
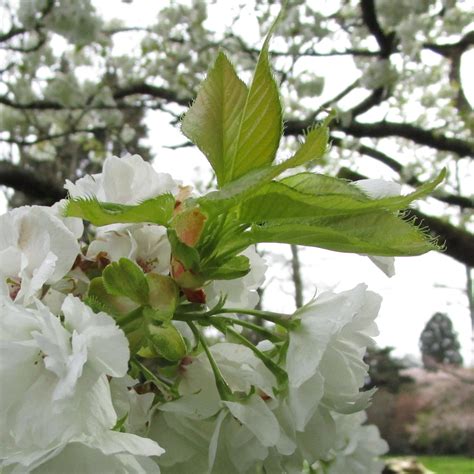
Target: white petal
{"type": "Point", "coordinates": [258, 418]}
{"type": "Point", "coordinates": [107, 346]}
{"type": "Point", "coordinates": [378, 188]}
{"type": "Point", "coordinates": [113, 442]}
{"type": "Point", "coordinates": [386, 264]}
{"type": "Point", "coordinates": [304, 400]}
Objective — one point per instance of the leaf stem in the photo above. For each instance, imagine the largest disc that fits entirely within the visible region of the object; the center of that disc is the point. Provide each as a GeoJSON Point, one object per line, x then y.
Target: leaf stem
{"type": "Point", "coordinates": [280, 374]}
{"type": "Point", "coordinates": [247, 324]}
{"type": "Point", "coordinates": [277, 318]}
{"type": "Point", "coordinates": [223, 388]}
{"type": "Point", "coordinates": [163, 385]}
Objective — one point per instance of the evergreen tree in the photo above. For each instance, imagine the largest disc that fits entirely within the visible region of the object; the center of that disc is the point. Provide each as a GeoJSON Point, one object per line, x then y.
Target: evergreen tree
{"type": "Point", "coordinates": [439, 342]}
{"type": "Point", "coordinates": [384, 369]}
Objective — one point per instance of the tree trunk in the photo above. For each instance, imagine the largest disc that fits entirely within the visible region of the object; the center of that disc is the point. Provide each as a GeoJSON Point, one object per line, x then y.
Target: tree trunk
{"type": "Point", "coordinates": [296, 268]}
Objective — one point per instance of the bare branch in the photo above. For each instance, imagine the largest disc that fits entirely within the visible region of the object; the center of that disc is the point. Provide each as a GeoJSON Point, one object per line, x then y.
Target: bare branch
{"type": "Point", "coordinates": [385, 42]}
{"type": "Point", "coordinates": [29, 181]}
{"type": "Point", "coordinates": [431, 138]}
{"type": "Point", "coordinates": [448, 49]}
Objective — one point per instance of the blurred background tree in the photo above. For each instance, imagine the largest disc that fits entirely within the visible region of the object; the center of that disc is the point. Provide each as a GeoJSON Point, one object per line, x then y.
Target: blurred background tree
{"type": "Point", "coordinates": [69, 94]}
{"type": "Point", "coordinates": [385, 370]}
{"type": "Point", "coordinates": [439, 343]}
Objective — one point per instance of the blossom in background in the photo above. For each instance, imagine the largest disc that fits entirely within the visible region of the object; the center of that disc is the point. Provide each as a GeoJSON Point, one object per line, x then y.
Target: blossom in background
{"type": "Point", "coordinates": [126, 180]}
{"type": "Point", "coordinates": [36, 247]}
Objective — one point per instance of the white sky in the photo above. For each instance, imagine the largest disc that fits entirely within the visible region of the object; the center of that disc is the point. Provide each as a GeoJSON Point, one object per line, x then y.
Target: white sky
{"type": "Point", "coordinates": [421, 286]}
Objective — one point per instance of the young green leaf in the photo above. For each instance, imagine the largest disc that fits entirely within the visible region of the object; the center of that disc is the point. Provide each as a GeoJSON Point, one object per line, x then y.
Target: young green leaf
{"type": "Point", "coordinates": [313, 148]}
{"type": "Point", "coordinates": [113, 305]}
{"type": "Point", "coordinates": [236, 267]}
{"type": "Point", "coordinates": [167, 341]}
{"type": "Point", "coordinates": [163, 294]}
{"type": "Point", "coordinates": [319, 185]}
{"type": "Point", "coordinates": [212, 122]}
{"type": "Point", "coordinates": [240, 189]}
{"type": "Point", "coordinates": [376, 233]}
{"type": "Point", "coordinates": [308, 195]}
{"type": "Point", "coordinates": [126, 278]}
{"type": "Point", "coordinates": [158, 210]}
{"type": "Point", "coordinates": [261, 123]}
{"type": "Point", "coordinates": [187, 255]}
{"type": "Point", "coordinates": [237, 128]}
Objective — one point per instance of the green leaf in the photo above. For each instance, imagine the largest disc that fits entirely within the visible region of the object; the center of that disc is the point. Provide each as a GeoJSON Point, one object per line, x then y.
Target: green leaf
{"type": "Point", "coordinates": [320, 185]}
{"type": "Point", "coordinates": [120, 425]}
{"type": "Point", "coordinates": [158, 210]}
{"type": "Point", "coordinates": [236, 191]}
{"type": "Point", "coordinates": [126, 278]}
{"type": "Point", "coordinates": [236, 267]}
{"type": "Point", "coordinates": [376, 233]}
{"type": "Point", "coordinates": [167, 341]}
{"type": "Point", "coordinates": [187, 255]}
{"type": "Point", "coordinates": [261, 123]}
{"type": "Point", "coordinates": [103, 301]}
{"type": "Point", "coordinates": [314, 146]}
{"type": "Point", "coordinates": [213, 120]}
{"type": "Point", "coordinates": [309, 195]}
{"type": "Point", "coordinates": [134, 325]}
{"type": "Point", "coordinates": [237, 128]}
{"type": "Point", "coordinates": [163, 294]}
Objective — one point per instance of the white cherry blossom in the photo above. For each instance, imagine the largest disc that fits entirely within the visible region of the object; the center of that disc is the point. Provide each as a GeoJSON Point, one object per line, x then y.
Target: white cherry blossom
{"type": "Point", "coordinates": [147, 245]}
{"type": "Point", "coordinates": [58, 391]}
{"type": "Point", "coordinates": [126, 180]}
{"type": "Point", "coordinates": [36, 248]}
{"type": "Point", "coordinates": [330, 342]}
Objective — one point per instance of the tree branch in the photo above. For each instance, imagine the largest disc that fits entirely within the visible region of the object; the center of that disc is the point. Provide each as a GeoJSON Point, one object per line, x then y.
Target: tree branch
{"type": "Point", "coordinates": [154, 91]}
{"type": "Point", "coordinates": [167, 95]}
{"type": "Point", "coordinates": [448, 49]}
{"type": "Point", "coordinates": [29, 181]}
{"type": "Point", "coordinates": [11, 34]}
{"type": "Point", "coordinates": [369, 15]}
{"type": "Point", "coordinates": [431, 138]}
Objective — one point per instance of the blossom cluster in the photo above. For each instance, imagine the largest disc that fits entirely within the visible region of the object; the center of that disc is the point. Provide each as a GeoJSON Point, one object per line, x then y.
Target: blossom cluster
{"type": "Point", "coordinates": [95, 379]}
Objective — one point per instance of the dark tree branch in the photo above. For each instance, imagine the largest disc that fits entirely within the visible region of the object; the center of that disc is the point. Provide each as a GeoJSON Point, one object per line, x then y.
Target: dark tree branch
{"type": "Point", "coordinates": [15, 31]}
{"type": "Point", "coordinates": [377, 96]}
{"type": "Point", "coordinates": [30, 182]}
{"type": "Point", "coordinates": [459, 243]}
{"type": "Point", "coordinates": [167, 95]}
{"type": "Point", "coordinates": [373, 153]}
{"type": "Point", "coordinates": [97, 131]}
{"type": "Point", "coordinates": [153, 91]}
{"type": "Point", "coordinates": [386, 42]}
{"type": "Point", "coordinates": [430, 138]}
{"type": "Point", "coordinates": [447, 50]}
{"type": "Point", "coordinates": [41, 41]}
